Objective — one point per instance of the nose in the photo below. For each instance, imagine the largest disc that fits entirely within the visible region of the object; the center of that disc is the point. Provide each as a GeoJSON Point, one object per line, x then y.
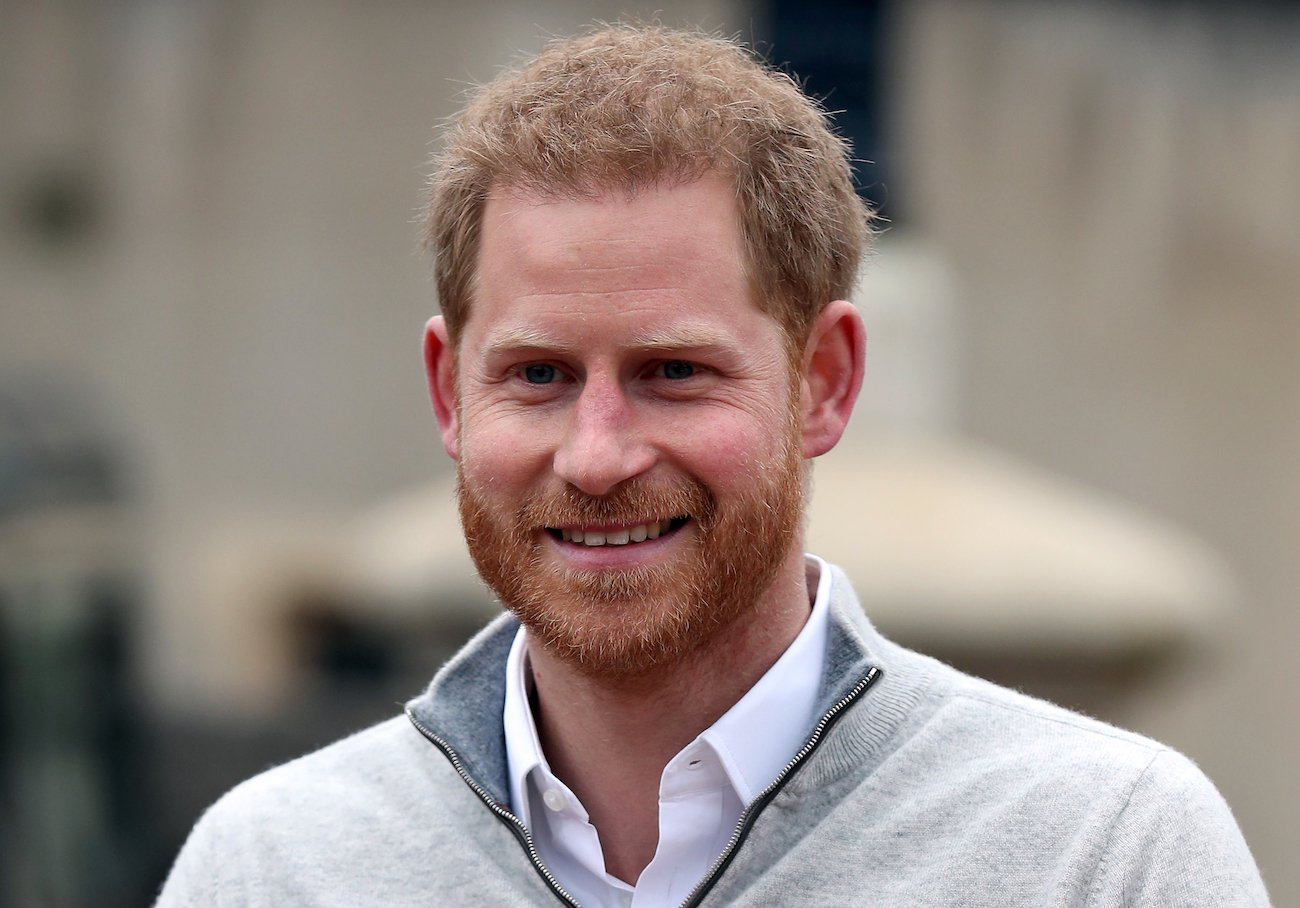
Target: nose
{"type": "Point", "coordinates": [604, 444]}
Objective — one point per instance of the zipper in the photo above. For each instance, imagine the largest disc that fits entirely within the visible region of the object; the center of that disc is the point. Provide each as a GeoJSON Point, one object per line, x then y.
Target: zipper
{"type": "Point", "coordinates": [513, 823]}
{"type": "Point", "coordinates": [750, 814]}
{"type": "Point", "coordinates": [747, 818]}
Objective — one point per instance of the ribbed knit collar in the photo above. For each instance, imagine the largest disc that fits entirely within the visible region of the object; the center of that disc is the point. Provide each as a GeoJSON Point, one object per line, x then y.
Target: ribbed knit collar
{"type": "Point", "coordinates": [464, 702]}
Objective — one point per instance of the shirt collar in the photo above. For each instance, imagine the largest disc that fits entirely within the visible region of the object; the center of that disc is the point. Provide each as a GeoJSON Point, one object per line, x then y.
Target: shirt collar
{"type": "Point", "coordinates": [523, 747]}
{"type": "Point", "coordinates": [760, 734]}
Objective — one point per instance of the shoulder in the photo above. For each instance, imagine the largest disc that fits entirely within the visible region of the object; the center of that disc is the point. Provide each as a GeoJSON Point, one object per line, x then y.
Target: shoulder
{"type": "Point", "coordinates": [1130, 820]}
{"type": "Point", "coordinates": [368, 775]}
{"type": "Point", "coordinates": [975, 708]}
{"type": "Point", "coordinates": [349, 772]}
{"type": "Point", "coordinates": [357, 809]}
{"type": "Point", "coordinates": [987, 732]}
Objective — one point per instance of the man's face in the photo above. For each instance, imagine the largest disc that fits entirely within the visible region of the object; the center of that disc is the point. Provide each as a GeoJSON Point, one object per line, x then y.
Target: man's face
{"type": "Point", "coordinates": [629, 454]}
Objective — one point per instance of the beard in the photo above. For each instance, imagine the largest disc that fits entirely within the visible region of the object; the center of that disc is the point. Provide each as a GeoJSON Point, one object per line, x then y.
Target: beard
{"type": "Point", "coordinates": [626, 623]}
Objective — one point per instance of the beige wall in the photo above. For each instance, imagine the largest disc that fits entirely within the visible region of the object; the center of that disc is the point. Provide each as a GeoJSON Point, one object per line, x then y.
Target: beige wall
{"type": "Point", "coordinates": [1119, 192]}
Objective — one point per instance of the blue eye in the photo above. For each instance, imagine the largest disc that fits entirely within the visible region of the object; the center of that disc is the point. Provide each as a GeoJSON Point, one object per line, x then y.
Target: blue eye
{"type": "Point", "coordinates": [677, 369]}
{"type": "Point", "coordinates": [539, 374]}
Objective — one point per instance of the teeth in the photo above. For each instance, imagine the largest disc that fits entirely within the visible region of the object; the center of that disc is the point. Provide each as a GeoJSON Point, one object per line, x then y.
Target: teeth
{"type": "Point", "coordinates": [617, 537]}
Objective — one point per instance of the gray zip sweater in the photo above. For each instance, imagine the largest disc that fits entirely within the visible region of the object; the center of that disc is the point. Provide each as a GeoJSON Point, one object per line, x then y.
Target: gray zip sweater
{"type": "Point", "coordinates": [921, 787]}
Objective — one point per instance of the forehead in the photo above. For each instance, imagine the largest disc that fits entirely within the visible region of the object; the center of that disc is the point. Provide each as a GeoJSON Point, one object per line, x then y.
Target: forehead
{"type": "Point", "coordinates": [615, 248]}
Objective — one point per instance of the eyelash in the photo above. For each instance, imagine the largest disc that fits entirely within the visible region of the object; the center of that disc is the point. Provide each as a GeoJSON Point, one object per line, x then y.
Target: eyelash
{"type": "Point", "coordinates": [660, 370]}
{"type": "Point", "coordinates": [663, 368]}
{"type": "Point", "coordinates": [523, 373]}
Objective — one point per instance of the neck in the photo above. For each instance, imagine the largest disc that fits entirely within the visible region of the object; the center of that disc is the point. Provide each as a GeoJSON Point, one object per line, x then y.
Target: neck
{"type": "Point", "coordinates": [609, 739]}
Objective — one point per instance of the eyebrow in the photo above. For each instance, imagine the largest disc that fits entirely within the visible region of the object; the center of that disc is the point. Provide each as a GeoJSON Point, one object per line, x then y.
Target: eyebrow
{"type": "Point", "coordinates": [521, 339]}
{"type": "Point", "coordinates": [686, 337]}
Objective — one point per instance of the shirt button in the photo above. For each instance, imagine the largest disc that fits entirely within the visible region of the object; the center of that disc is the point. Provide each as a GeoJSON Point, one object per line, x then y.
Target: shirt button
{"type": "Point", "coordinates": [625, 899]}
{"type": "Point", "coordinates": [554, 799]}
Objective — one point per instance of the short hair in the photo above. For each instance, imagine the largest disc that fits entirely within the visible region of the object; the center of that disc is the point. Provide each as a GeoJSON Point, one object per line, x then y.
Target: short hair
{"type": "Point", "coordinates": [630, 107]}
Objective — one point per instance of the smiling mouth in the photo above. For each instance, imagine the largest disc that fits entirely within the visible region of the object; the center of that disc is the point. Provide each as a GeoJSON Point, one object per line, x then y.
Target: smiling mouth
{"type": "Point", "coordinates": [623, 536]}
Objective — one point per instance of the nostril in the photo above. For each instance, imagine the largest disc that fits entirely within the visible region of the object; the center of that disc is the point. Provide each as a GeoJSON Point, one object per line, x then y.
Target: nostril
{"type": "Point", "coordinates": [596, 463]}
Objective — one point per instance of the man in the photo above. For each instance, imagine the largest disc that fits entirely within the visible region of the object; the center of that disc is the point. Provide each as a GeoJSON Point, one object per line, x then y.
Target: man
{"type": "Point", "coordinates": [644, 241]}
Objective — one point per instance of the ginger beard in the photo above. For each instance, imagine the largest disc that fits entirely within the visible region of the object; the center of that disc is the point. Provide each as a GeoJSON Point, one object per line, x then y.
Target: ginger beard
{"type": "Point", "coordinates": [627, 623]}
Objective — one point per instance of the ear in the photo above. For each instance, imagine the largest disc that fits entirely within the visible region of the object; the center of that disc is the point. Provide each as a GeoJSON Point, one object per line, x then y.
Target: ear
{"type": "Point", "coordinates": [440, 370]}
{"type": "Point", "coordinates": [833, 362]}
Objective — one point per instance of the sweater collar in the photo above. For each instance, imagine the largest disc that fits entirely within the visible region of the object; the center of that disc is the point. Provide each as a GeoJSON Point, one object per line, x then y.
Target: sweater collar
{"type": "Point", "coordinates": [464, 703]}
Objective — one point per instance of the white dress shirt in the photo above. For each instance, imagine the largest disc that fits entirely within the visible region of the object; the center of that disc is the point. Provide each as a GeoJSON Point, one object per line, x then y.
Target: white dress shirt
{"type": "Point", "coordinates": [702, 791]}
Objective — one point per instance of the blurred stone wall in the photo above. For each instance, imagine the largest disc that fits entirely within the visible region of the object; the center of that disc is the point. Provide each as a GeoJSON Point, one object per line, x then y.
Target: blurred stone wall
{"type": "Point", "coordinates": [211, 231]}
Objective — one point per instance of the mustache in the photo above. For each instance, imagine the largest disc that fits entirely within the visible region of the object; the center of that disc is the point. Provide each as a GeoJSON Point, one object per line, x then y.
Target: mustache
{"type": "Point", "coordinates": [634, 501]}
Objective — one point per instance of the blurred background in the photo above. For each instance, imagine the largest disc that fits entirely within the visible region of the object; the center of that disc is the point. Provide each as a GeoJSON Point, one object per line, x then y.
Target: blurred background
{"type": "Point", "coordinates": [226, 529]}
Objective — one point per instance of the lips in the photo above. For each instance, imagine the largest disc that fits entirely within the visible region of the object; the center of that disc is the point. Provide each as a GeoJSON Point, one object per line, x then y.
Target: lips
{"type": "Point", "coordinates": [626, 535]}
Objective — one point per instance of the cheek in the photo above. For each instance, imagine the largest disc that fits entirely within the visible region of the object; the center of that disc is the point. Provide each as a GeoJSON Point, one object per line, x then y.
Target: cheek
{"type": "Point", "coordinates": [499, 454]}
{"type": "Point", "coordinates": [733, 451]}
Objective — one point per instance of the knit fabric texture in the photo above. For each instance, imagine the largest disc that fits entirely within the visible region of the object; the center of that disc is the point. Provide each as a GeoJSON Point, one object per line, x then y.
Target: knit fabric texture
{"type": "Point", "coordinates": [933, 788]}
